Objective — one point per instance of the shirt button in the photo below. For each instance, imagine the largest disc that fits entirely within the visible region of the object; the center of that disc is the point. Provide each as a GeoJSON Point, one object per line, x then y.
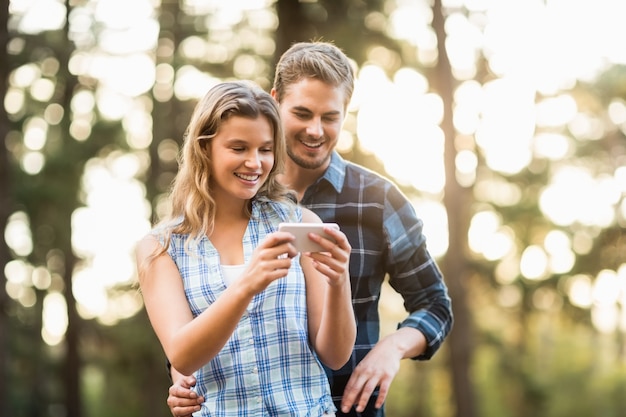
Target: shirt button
{"type": "Point", "coordinates": [251, 341]}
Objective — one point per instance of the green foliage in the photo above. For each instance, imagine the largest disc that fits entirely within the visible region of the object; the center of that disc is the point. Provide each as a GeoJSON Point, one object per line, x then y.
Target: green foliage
{"type": "Point", "coordinates": [126, 372]}
{"type": "Point", "coordinates": [529, 361]}
{"type": "Point", "coordinates": [555, 371]}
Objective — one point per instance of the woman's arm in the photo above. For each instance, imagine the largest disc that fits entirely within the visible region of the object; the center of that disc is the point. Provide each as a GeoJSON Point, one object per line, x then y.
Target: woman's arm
{"type": "Point", "coordinates": [332, 327]}
{"type": "Point", "coordinates": [190, 343]}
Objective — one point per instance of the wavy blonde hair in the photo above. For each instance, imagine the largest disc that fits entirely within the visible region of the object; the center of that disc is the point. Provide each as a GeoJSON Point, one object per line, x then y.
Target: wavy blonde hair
{"type": "Point", "coordinates": [192, 205]}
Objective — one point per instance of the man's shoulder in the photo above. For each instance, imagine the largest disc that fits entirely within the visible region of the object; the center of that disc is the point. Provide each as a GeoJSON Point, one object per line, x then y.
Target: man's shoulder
{"type": "Point", "coordinates": [356, 170]}
{"type": "Point", "coordinates": [364, 178]}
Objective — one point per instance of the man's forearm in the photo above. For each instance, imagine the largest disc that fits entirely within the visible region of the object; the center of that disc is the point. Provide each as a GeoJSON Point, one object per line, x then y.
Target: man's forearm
{"type": "Point", "coordinates": [175, 375]}
{"type": "Point", "coordinates": [406, 341]}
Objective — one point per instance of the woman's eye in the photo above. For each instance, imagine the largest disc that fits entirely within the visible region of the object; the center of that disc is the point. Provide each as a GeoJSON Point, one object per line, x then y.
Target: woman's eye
{"type": "Point", "coordinates": [267, 150]}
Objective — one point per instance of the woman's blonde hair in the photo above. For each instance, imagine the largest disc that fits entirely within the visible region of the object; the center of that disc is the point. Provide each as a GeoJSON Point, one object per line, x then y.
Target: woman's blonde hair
{"type": "Point", "coordinates": [192, 205]}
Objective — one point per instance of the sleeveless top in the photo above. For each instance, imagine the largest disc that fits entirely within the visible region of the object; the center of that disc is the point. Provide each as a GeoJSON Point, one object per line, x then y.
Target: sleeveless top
{"type": "Point", "coordinates": [267, 367]}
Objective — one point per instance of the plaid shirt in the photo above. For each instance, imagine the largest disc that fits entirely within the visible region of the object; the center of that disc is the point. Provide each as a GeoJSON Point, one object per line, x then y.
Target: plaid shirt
{"type": "Point", "coordinates": [386, 238]}
{"type": "Point", "coordinates": [267, 367]}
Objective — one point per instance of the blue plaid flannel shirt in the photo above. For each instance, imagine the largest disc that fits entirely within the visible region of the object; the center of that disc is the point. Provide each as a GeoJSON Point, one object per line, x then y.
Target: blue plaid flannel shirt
{"type": "Point", "coordinates": [386, 238]}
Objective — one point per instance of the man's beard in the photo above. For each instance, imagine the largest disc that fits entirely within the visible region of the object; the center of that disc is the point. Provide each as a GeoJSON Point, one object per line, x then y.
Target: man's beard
{"type": "Point", "coordinates": [306, 162]}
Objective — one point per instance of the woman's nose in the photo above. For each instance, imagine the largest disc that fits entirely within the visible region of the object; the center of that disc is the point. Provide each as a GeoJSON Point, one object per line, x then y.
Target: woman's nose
{"type": "Point", "coordinates": [253, 160]}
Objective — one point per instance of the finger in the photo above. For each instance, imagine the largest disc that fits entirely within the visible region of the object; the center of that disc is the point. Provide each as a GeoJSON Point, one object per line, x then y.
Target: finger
{"type": "Point", "coordinates": [382, 393]}
{"type": "Point", "coordinates": [350, 393]}
{"type": "Point", "coordinates": [184, 400]}
{"type": "Point", "coordinates": [185, 411]}
{"type": "Point", "coordinates": [180, 402]}
{"type": "Point", "coordinates": [326, 270]}
{"type": "Point", "coordinates": [366, 393]}
{"type": "Point", "coordinates": [334, 267]}
{"type": "Point", "coordinates": [278, 251]}
{"type": "Point", "coordinates": [182, 392]}
{"type": "Point", "coordinates": [326, 244]}
{"type": "Point", "coordinates": [277, 238]}
{"type": "Point", "coordinates": [339, 237]}
{"type": "Point", "coordinates": [182, 410]}
{"type": "Point", "coordinates": [334, 255]}
{"type": "Point", "coordinates": [188, 381]}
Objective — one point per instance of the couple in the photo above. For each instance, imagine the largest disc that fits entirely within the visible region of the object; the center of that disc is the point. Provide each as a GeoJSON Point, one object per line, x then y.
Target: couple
{"type": "Point", "coordinates": [313, 86]}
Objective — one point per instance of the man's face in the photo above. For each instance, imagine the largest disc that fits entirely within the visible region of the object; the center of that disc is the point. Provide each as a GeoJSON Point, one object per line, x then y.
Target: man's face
{"type": "Point", "coordinates": [312, 114]}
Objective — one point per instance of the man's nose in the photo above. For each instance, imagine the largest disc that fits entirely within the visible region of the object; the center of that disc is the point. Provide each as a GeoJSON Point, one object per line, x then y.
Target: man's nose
{"type": "Point", "coordinates": [314, 128]}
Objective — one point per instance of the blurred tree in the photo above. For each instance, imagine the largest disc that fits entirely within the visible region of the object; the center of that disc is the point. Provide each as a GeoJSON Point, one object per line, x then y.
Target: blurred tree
{"type": "Point", "coordinates": [457, 200]}
{"type": "Point", "coordinates": [49, 194]}
{"type": "Point", "coordinates": [530, 334]}
{"type": "Point", "coordinates": [68, 174]}
{"type": "Point", "coordinates": [167, 110]}
{"type": "Point", "coordinates": [49, 198]}
{"type": "Point", "coordinates": [356, 26]}
{"type": "Point", "coordinates": [5, 211]}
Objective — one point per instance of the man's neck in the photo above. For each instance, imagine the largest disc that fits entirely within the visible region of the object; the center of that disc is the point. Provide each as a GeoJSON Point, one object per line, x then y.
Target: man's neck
{"type": "Point", "coordinates": [298, 178]}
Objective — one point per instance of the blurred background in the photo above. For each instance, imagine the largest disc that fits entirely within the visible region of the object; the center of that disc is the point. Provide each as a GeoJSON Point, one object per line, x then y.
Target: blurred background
{"type": "Point", "coordinates": [504, 122]}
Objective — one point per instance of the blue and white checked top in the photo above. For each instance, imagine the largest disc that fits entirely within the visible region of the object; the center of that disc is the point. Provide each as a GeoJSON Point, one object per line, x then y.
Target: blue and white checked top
{"type": "Point", "coordinates": [267, 367]}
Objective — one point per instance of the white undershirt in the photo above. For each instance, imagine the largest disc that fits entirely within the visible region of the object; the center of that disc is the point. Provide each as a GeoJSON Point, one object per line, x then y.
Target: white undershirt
{"type": "Point", "coordinates": [231, 273]}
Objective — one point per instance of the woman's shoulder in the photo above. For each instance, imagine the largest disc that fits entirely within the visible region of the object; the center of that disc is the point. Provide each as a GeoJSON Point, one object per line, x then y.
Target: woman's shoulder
{"type": "Point", "coordinates": [278, 210]}
{"type": "Point", "coordinates": [309, 216]}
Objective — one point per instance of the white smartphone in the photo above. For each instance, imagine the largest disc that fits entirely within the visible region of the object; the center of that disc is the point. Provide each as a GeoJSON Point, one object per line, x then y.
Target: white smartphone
{"type": "Point", "coordinates": [301, 232]}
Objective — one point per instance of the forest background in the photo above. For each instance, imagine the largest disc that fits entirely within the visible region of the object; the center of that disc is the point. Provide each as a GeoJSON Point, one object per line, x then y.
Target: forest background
{"type": "Point", "coordinates": [504, 121]}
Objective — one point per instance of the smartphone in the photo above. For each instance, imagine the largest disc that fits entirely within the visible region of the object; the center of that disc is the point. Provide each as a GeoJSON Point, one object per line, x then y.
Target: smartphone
{"type": "Point", "coordinates": [301, 232]}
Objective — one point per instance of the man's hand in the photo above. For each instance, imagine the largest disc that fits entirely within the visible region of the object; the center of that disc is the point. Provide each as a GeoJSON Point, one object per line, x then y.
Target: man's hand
{"type": "Point", "coordinates": [379, 367]}
{"type": "Point", "coordinates": [182, 401]}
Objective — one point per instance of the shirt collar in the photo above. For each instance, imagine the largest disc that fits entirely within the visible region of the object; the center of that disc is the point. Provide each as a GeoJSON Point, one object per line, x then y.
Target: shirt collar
{"type": "Point", "coordinates": [336, 172]}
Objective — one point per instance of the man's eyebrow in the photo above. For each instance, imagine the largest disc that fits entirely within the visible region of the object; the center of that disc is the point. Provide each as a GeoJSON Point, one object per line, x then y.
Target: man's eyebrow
{"type": "Point", "coordinates": [307, 110]}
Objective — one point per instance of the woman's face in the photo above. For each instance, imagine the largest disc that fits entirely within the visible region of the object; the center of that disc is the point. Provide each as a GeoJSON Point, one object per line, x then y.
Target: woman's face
{"type": "Point", "coordinates": [242, 155]}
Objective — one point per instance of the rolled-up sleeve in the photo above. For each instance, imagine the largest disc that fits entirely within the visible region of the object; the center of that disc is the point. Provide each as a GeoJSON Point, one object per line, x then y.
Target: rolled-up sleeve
{"type": "Point", "coordinates": [415, 275]}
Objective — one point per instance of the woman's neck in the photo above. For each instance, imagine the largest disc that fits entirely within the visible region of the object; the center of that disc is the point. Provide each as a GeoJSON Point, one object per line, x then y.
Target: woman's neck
{"type": "Point", "coordinates": [231, 221]}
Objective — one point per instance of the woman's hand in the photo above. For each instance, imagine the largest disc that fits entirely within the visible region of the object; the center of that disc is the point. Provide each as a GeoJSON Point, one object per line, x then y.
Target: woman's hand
{"type": "Point", "coordinates": [270, 261]}
{"type": "Point", "coordinates": [334, 261]}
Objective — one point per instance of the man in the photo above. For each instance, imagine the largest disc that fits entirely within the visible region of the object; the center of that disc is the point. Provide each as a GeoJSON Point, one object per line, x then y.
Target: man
{"type": "Point", "coordinates": [313, 85]}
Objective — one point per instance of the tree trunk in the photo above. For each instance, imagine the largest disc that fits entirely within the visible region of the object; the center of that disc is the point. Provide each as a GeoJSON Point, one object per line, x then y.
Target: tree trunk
{"type": "Point", "coordinates": [5, 209]}
{"type": "Point", "coordinates": [167, 123]}
{"type": "Point", "coordinates": [292, 26]}
{"type": "Point", "coordinates": [455, 264]}
{"type": "Point", "coordinates": [72, 368]}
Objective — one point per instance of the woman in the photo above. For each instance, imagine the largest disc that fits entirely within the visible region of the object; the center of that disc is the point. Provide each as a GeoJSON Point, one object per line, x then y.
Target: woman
{"type": "Point", "coordinates": [228, 296]}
